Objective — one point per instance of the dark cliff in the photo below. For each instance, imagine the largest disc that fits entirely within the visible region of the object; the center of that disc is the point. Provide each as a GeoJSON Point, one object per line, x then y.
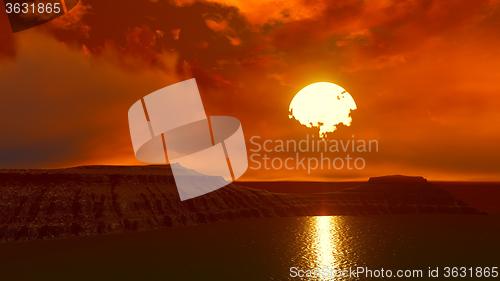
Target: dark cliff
{"type": "Point", "coordinates": [39, 204]}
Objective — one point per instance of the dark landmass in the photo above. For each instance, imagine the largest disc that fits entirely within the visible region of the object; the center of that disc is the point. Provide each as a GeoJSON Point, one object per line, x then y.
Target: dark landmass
{"type": "Point", "coordinates": [43, 204]}
{"type": "Point", "coordinates": [397, 179]}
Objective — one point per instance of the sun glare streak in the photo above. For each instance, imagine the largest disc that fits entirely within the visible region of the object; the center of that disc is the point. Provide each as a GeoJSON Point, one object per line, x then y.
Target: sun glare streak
{"type": "Point", "coordinates": [325, 245]}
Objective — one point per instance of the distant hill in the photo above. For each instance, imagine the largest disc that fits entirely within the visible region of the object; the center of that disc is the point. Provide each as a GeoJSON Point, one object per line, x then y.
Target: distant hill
{"type": "Point", "coordinates": [398, 179]}
{"type": "Point", "coordinates": [97, 169]}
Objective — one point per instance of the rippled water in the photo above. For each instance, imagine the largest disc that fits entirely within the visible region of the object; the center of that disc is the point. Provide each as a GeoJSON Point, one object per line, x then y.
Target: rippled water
{"type": "Point", "coordinates": [260, 249]}
{"type": "Point", "coordinates": [325, 243]}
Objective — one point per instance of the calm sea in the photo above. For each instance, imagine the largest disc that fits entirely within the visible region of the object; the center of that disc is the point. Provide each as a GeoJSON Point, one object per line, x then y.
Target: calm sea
{"type": "Point", "coordinates": [266, 249]}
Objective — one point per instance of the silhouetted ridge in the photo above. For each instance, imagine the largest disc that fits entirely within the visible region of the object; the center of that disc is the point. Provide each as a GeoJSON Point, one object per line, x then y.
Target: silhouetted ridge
{"type": "Point", "coordinates": [398, 179]}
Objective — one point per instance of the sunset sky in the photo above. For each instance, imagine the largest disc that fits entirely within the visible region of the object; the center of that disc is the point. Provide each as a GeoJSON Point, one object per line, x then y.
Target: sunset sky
{"type": "Point", "coordinates": [425, 76]}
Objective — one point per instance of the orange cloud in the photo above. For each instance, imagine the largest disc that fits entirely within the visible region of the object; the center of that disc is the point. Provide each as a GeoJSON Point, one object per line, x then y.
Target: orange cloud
{"type": "Point", "coordinates": [265, 11]}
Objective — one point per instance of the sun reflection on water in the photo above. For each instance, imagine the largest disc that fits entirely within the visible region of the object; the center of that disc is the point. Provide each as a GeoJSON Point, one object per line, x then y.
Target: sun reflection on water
{"type": "Point", "coordinates": [327, 247]}
{"type": "Point", "coordinates": [325, 241]}
{"type": "Point", "coordinates": [325, 238]}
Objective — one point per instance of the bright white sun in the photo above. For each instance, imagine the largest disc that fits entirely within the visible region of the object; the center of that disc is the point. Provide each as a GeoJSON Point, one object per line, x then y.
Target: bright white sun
{"type": "Point", "coordinates": [322, 105]}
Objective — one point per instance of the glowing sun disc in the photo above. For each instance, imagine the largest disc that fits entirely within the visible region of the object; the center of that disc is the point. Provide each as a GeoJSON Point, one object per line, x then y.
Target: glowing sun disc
{"type": "Point", "coordinates": [323, 105]}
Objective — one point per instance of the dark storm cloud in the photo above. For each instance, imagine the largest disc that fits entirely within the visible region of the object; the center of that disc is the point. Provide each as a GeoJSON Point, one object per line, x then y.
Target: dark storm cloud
{"type": "Point", "coordinates": [69, 110]}
{"type": "Point", "coordinates": [36, 154]}
{"type": "Point", "coordinates": [7, 47]}
{"type": "Point", "coordinates": [145, 29]}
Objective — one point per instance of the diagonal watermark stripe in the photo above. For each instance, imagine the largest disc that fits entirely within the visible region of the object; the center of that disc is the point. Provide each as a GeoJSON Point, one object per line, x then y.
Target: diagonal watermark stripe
{"type": "Point", "coordinates": [170, 126]}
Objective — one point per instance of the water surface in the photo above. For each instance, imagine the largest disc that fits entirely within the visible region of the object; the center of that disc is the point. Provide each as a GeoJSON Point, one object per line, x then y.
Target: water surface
{"type": "Point", "coordinates": [263, 249]}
